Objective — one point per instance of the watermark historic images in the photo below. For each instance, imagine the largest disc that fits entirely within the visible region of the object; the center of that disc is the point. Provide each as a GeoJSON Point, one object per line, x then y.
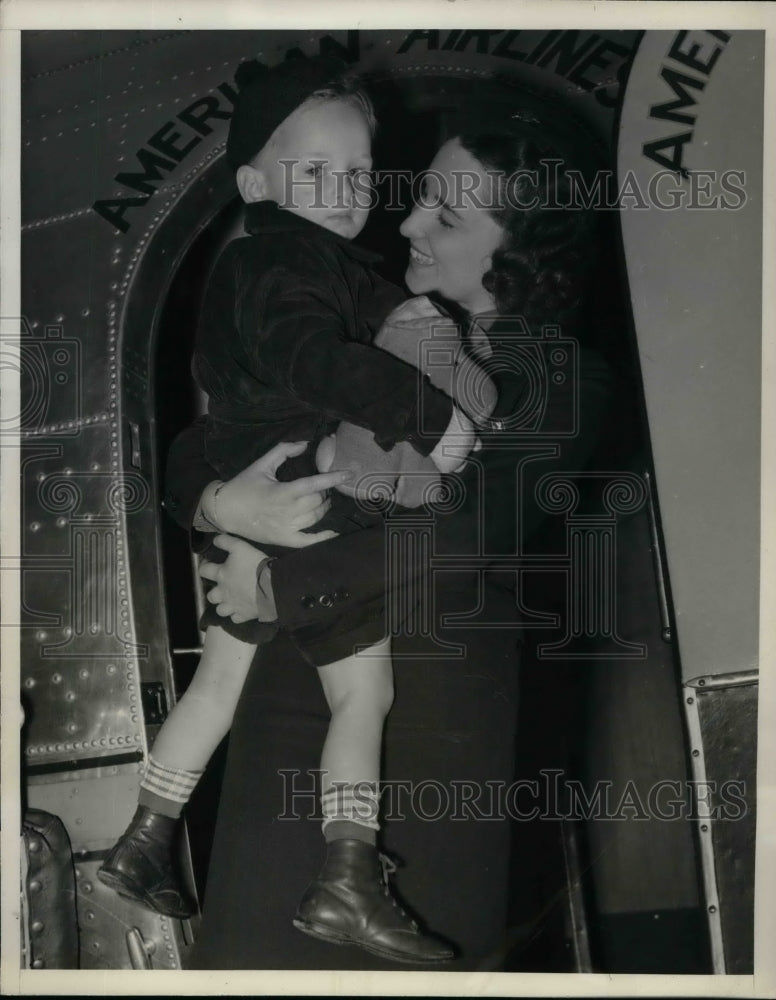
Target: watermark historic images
{"type": "Point", "coordinates": [554, 796]}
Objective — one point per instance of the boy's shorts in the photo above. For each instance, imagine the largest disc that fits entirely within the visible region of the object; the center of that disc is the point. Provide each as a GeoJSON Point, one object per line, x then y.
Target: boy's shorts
{"type": "Point", "coordinates": [318, 644]}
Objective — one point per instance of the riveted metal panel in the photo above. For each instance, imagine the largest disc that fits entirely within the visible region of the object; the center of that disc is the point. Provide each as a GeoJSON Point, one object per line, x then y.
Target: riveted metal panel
{"type": "Point", "coordinates": [105, 919]}
{"type": "Point", "coordinates": [48, 888]}
{"type": "Point", "coordinates": [81, 709]}
{"type": "Point", "coordinates": [111, 104]}
{"type": "Point", "coordinates": [95, 804]}
{"type": "Point", "coordinates": [722, 723]}
{"type": "Point", "coordinates": [51, 361]}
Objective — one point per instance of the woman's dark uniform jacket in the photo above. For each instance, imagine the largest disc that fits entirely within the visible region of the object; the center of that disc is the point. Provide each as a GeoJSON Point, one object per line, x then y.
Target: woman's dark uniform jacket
{"type": "Point", "coordinates": [453, 722]}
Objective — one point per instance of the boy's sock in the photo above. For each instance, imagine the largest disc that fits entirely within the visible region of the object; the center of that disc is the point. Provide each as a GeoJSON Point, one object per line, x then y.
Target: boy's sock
{"type": "Point", "coordinates": [166, 790]}
{"type": "Point", "coordinates": [351, 812]}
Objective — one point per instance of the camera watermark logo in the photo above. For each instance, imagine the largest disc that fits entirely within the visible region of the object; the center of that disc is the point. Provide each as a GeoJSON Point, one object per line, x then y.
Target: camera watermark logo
{"type": "Point", "coordinates": [49, 367]}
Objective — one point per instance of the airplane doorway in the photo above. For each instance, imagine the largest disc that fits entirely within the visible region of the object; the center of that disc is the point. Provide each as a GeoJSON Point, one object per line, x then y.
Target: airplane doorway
{"type": "Point", "coordinates": [560, 704]}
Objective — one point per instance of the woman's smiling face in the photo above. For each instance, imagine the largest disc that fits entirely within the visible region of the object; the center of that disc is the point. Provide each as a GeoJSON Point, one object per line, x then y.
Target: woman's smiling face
{"type": "Point", "coordinates": [452, 234]}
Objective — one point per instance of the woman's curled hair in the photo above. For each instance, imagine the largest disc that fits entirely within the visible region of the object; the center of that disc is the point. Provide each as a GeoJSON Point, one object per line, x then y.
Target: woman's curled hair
{"type": "Point", "coordinates": [543, 265]}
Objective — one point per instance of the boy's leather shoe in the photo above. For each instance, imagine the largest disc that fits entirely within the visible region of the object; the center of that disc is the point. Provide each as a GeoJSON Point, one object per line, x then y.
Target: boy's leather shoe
{"type": "Point", "coordinates": [350, 903]}
{"type": "Point", "coordinates": [140, 866]}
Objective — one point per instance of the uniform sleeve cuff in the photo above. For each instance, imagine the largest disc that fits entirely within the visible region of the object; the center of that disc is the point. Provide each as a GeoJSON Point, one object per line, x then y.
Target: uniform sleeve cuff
{"type": "Point", "coordinates": [265, 598]}
{"type": "Point", "coordinates": [430, 419]}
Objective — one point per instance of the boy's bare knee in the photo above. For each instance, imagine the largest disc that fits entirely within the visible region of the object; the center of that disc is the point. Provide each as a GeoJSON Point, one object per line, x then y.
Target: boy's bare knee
{"type": "Point", "coordinates": [368, 693]}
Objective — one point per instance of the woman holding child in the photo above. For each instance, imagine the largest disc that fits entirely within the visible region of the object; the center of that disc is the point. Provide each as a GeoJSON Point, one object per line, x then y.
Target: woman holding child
{"type": "Point", "coordinates": [491, 251]}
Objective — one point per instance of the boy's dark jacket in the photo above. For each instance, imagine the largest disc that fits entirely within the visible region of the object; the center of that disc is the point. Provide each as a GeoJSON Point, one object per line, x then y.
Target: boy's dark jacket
{"type": "Point", "coordinates": [283, 347]}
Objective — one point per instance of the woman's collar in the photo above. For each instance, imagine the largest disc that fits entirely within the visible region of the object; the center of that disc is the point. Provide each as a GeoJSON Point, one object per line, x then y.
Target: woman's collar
{"type": "Point", "coordinates": [477, 334]}
{"type": "Point", "coordinates": [474, 328]}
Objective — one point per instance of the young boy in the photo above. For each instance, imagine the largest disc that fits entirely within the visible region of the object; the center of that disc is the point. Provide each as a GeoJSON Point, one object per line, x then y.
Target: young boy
{"type": "Point", "coordinates": [284, 352]}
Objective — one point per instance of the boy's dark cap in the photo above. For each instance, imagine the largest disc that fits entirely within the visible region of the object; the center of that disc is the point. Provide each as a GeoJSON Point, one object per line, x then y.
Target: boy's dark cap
{"type": "Point", "coordinates": [268, 95]}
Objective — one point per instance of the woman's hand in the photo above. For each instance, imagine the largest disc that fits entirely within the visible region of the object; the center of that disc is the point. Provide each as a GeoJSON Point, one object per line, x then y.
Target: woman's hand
{"type": "Point", "coordinates": [235, 594]}
{"type": "Point", "coordinates": [256, 506]}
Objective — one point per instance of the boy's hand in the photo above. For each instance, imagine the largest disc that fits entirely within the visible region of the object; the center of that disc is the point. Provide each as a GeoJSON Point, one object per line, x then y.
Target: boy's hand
{"type": "Point", "coordinates": [235, 592]}
{"type": "Point", "coordinates": [455, 444]}
{"type": "Point", "coordinates": [256, 506]}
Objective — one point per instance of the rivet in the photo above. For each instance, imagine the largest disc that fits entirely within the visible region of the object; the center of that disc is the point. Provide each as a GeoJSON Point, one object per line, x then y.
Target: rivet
{"type": "Point", "coordinates": [34, 846]}
{"type": "Point", "coordinates": [38, 963]}
{"type": "Point", "coordinates": [87, 887]}
{"type": "Point", "coordinates": [690, 701]}
{"type": "Point", "coordinates": [72, 727]}
{"type": "Point", "coordinates": [712, 909]}
{"type": "Point", "coordinates": [30, 682]}
{"type": "Point", "coordinates": [67, 631]}
{"type": "Point", "coordinates": [83, 673]}
{"type": "Point", "coordinates": [61, 522]}
{"type": "Point", "coordinates": [41, 475]}
{"type": "Point", "coordinates": [56, 678]}
{"type": "Point", "coordinates": [78, 821]}
{"type": "Point", "coordinates": [696, 753]}
{"type": "Point", "coordinates": [41, 635]}
{"type": "Point", "coordinates": [35, 526]}
{"type": "Point", "coordinates": [90, 914]}
{"type": "Point", "coordinates": [111, 668]}
{"type": "Point", "coordinates": [68, 471]}
{"type": "Point", "coordinates": [701, 682]}
{"type": "Point", "coordinates": [35, 885]}
{"type": "Point", "coordinates": [704, 827]}
{"type": "Point", "coordinates": [69, 696]}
